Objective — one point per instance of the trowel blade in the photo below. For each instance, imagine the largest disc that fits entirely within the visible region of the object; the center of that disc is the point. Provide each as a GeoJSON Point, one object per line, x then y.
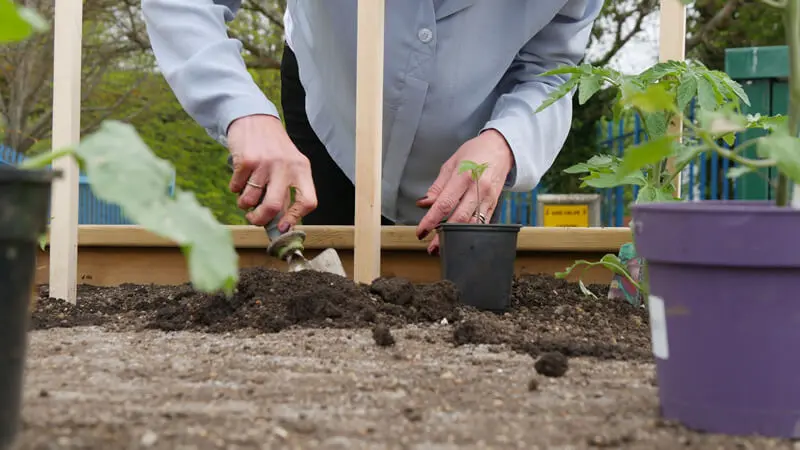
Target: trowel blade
{"type": "Point", "coordinates": [327, 261]}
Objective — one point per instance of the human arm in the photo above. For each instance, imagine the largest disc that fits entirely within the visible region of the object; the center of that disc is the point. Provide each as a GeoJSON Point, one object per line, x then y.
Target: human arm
{"type": "Point", "coordinates": [535, 139]}
{"type": "Point", "coordinates": [201, 64]}
{"type": "Point", "coordinates": [518, 144]}
{"type": "Point", "coordinates": [207, 73]}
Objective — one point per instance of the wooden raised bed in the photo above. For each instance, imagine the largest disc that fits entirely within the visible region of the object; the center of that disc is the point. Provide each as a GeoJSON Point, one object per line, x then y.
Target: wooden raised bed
{"type": "Point", "coordinates": [113, 255]}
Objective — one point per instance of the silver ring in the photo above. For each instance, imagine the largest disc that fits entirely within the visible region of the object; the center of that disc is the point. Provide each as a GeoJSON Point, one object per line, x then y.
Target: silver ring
{"type": "Point", "coordinates": [481, 218]}
{"type": "Point", "coordinates": [257, 186]}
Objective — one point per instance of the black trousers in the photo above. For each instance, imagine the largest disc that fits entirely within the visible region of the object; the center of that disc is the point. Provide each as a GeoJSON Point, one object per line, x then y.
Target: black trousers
{"type": "Point", "coordinates": [335, 192]}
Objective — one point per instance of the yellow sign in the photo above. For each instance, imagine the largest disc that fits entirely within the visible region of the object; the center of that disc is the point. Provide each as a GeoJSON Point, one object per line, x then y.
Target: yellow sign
{"type": "Point", "coordinates": [566, 216]}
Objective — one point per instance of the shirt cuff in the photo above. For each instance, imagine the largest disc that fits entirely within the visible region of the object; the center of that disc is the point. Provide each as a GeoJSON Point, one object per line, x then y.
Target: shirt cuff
{"type": "Point", "coordinates": [518, 177]}
{"type": "Point", "coordinates": [238, 107]}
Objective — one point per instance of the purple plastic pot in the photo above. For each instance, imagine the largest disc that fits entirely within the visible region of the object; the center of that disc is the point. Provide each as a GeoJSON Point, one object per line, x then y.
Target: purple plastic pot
{"type": "Point", "coordinates": [724, 281]}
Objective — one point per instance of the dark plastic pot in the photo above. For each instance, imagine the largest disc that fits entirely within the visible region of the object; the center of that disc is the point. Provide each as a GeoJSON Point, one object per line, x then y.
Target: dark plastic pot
{"type": "Point", "coordinates": [479, 260]}
{"type": "Point", "coordinates": [724, 279]}
{"type": "Point", "coordinates": [24, 208]}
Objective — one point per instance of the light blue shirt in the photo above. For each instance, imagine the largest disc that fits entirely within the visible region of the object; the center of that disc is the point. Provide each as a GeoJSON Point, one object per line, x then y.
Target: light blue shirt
{"type": "Point", "coordinates": [452, 69]}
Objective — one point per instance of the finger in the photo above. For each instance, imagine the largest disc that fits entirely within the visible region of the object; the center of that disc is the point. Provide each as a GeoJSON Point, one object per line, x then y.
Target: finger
{"type": "Point", "coordinates": [483, 213]}
{"type": "Point", "coordinates": [437, 187]}
{"type": "Point", "coordinates": [242, 171]}
{"type": "Point", "coordinates": [487, 208]}
{"type": "Point", "coordinates": [305, 201]}
{"type": "Point", "coordinates": [466, 209]}
{"type": "Point", "coordinates": [251, 195]}
{"type": "Point", "coordinates": [433, 247]}
{"type": "Point", "coordinates": [445, 203]}
{"type": "Point", "coordinates": [272, 203]}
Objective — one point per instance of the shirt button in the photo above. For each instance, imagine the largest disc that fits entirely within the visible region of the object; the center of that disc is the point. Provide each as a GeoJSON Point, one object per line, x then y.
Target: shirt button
{"type": "Point", "coordinates": [425, 35]}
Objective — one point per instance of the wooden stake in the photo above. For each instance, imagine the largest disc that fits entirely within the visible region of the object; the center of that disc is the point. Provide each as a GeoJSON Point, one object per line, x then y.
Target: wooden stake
{"type": "Point", "coordinates": [369, 141]}
{"type": "Point", "coordinates": [66, 132]}
{"type": "Point", "coordinates": [672, 46]}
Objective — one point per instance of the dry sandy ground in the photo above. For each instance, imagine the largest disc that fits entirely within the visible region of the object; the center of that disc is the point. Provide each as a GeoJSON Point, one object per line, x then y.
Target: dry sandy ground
{"type": "Point", "coordinates": [91, 389]}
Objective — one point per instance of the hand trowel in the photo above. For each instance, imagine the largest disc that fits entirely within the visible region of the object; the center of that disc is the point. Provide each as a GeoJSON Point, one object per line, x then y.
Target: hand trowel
{"type": "Point", "coordinates": [289, 247]}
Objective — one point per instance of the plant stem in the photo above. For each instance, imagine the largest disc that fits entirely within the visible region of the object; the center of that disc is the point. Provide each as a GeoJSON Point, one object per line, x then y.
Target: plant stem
{"type": "Point", "coordinates": [792, 24]}
{"type": "Point", "coordinates": [41, 161]}
{"type": "Point", "coordinates": [731, 155]}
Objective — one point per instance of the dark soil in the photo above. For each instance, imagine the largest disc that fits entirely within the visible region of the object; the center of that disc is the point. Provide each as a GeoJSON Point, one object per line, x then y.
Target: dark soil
{"type": "Point", "coordinates": [552, 364]}
{"type": "Point", "coordinates": [547, 314]}
{"type": "Point", "coordinates": [383, 336]}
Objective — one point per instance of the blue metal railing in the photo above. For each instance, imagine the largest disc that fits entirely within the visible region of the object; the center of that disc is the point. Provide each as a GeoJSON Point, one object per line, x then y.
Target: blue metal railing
{"type": "Point", "coordinates": [91, 210]}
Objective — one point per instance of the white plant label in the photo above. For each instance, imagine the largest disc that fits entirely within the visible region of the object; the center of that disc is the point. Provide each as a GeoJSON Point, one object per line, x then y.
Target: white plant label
{"type": "Point", "coordinates": [658, 327]}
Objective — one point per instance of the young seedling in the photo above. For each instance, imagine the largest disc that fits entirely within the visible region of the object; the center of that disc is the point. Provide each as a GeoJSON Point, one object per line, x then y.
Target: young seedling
{"type": "Point", "coordinates": [475, 173]}
{"type": "Point", "coordinates": [123, 170]}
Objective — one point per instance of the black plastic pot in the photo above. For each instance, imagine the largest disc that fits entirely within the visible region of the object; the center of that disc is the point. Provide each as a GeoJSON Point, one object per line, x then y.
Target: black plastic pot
{"type": "Point", "coordinates": [24, 209]}
{"type": "Point", "coordinates": [479, 260]}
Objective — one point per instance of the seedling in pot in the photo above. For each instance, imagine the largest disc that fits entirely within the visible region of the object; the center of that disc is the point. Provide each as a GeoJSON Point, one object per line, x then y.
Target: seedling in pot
{"type": "Point", "coordinates": [475, 173]}
{"type": "Point", "coordinates": [479, 257]}
{"type": "Point", "coordinates": [658, 97]}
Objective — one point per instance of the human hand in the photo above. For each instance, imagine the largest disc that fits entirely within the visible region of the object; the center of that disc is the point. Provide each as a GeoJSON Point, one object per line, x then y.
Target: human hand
{"type": "Point", "coordinates": [264, 156]}
{"type": "Point", "coordinates": [456, 195]}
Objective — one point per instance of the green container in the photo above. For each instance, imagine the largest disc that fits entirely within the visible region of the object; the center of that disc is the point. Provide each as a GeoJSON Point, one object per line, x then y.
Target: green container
{"type": "Point", "coordinates": [763, 72]}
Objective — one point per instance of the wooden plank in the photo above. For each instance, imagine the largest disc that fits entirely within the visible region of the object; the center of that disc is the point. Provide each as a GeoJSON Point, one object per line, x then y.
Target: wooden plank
{"type": "Point", "coordinates": [369, 140]}
{"type": "Point", "coordinates": [111, 266]}
{"type": "Point", "coordinates": [68, 31]}
{"type": "Point", "coordinates": [594, 239]}
{"type": "Point", "coordinates": [672, 47]}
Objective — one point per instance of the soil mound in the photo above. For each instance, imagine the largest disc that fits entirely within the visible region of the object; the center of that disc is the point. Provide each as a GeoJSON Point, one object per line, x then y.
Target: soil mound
{"type": "Point", "coordinates": [547, 314]}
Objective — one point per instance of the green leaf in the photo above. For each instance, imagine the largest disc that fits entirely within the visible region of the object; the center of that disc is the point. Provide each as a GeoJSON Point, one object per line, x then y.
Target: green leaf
{"type": "Point", "coordinates": [596, 162]}
{"type": "Point", "coordinates": [562, 90]}
{"type": "Point", "coordinates": [734, 87]}
{"type": "Point", "coordinates": [608, 180]}
{"type": "Point", "coordinates": [721, 122]}
{"type": "Point", "coordinates": [647, 153]}
{"type": "Point", "coordinates": [18, 23]}
{"type": "Point", "coordinates": [664, 69]}
{"type": "Point", "coordinates": [655, 98]}
{"type": "Point", "coordinates": [687, 89]}
{"type": "Point", "coordinates": [785, 150]}
{"type": "Point", "coordinates": [729, 139]}
{"type": "Point", "coordinates": [588, 87]}
{"type": "Point", "coordinates": [122, 169]}
{"type": "Point", "coordinates": [654, 194]}
{"type": "Point", "coordinates": [609, 261]}
{"type": "Point", "coordinates": [769, 123]}
{"type": "Point", "coordinates": [647, 194]}
{"type": "Point", "coordinates": [577, 168]}
{"type": "Point", "coordinates": [467, 166]}
{"type": "Point", "coordinates": [656, 124]}
{"type": "Point", "coordinates": [563, 70]}
{"type": "Point", "coordinates": [476, 170]}
{"type": "Point", "coordinates": [706, 96]}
